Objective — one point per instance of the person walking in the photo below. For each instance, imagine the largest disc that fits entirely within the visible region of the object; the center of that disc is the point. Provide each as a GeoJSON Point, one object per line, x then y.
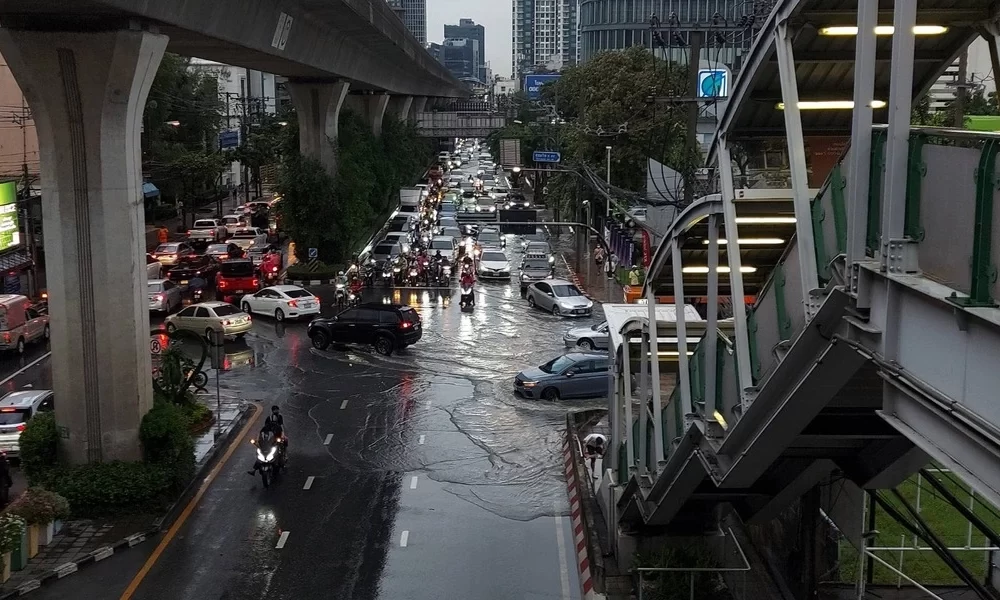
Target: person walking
{"type": "Point", "coordinates": [162, 235]}
{"type": "Point", "coordinates": [634, 275]}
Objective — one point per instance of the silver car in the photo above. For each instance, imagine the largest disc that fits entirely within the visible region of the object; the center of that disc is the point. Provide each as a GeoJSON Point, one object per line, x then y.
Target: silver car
{"type": "Point", "coordinates": [560, 297]}
{"type": "Point", "coordinates": [588, 338]}
{"type": "Point", "coordinates": [164, 295]}
{"type": "Point", "coordinates": [211, 316]}
{"type": "Point", "coordinates": [16, 409]}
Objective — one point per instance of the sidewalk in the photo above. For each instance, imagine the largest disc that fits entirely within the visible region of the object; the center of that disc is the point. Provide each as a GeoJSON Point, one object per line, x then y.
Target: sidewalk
{"type": "Point", "coordinates": [84, 541]}
{"type": "Point", "coordinates": [585, 273]}
{"type": "Point", "coordinates": [152, 239]}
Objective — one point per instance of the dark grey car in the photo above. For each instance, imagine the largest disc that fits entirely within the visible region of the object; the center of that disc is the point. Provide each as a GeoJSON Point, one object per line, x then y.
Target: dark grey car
{"type": "Point", "coordinates": [572, 375]}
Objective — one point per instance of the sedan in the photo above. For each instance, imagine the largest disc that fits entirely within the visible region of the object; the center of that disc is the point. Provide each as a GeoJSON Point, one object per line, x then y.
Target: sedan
{"type": "Point", "coordinates": [493, 264]}
{"type": "Point", "coordinates": [164, 295]}
{"type": "Point", "coordinates": [219, 252]}
{"type": "Point", "coordinates": [282, 301]}
{"type": "Point", "coordinates": [560, 297]}
{"type": "Point", "coordinates": [168, 254]}
{"type": "Point", "coordinates": [588, 338]}
{"type": "Point", "coordinates": [572, 375]}
{"type": "Point", "coordinates": [207, 317]}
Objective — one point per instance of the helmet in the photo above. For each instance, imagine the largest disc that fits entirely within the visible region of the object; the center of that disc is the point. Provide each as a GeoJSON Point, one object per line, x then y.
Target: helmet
{"type": "Point", "coordinates": [274, 408]}
{"type": "Point", "coordinates": [340, 273]}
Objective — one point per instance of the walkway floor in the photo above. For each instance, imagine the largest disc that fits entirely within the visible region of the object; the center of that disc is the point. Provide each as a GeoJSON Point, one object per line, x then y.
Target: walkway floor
{"type": "Point", "coordinates": [82, 537]}
{"type": "Point", "coordinates": [589, 276]}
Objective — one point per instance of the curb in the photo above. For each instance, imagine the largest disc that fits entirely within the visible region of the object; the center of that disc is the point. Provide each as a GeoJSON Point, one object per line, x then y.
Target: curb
{"type": "Point", "coordinates": [576, 513]}
{"type": "Point", "coordinates": [135, 539]}
{"type": "Point", "coordinates": [579, 283]}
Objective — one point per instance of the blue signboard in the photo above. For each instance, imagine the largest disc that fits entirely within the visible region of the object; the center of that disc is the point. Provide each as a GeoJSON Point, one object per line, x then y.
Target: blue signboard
{"type": "Point", "coordinates": [713, 83]}
{"type": "Point", "coordinates": [533, 84]}
{"type": "Point", "coordinates": [545, 157]}
{"type": "Point", "coordinates": [229, 139]}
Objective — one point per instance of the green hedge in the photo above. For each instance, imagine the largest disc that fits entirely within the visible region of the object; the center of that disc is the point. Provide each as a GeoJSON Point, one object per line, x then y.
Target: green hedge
{"type": "Point", "coordinates": [39, 445]}
{"type": "Point", "coordinates": [112, 488]}
{"type": "Point", "coordinates": [301, 271]}
{"type": "Point", "coordinates": [166, 441]}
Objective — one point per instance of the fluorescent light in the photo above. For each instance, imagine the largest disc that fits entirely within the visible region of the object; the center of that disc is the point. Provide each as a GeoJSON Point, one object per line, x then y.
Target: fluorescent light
{"type": "Point", "coordinates": [720, 419]}
{"type": "Point", "coordinates": [765, 220]}
{"type": "Point", "coordinates": [672, 353]}
{"type": "Point", "coordinates": [830, 104]}
{"type": "Point", "coordinates": [753, 241]}
{"type": "Point", "coordinates": [883, 30]}
{"type": "Point", "coordinates": [704, 270]}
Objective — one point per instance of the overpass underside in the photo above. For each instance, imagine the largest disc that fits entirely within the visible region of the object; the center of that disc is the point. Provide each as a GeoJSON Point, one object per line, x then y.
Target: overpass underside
{"type": "Point", "coordinates": [448, 124]}
{"type": "Point", "coordinates": [867, 349]}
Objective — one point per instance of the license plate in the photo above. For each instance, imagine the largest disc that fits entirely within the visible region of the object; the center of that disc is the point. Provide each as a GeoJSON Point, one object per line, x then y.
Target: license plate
{"type": "Point", "coordinates": [238, 292]}
{"type": "Point", "coordinates": [184, 281]}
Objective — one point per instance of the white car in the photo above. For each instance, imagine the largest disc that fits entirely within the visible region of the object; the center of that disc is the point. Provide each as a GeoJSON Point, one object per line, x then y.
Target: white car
{"type": "Point", "coordinates": [446, 245]}
{"type": "Point", "coordinates": [559, 297]}
{"type": "Point", "coordinates": [211, 316]}
{"type": "Point", "coordinates": [493, 264]}
{"type": "Point", "coordinates": [164, 295]}
{"type": "Point", "coordinates": [282, 302]}
{"type": "Point", "coordinates": [234, 223]}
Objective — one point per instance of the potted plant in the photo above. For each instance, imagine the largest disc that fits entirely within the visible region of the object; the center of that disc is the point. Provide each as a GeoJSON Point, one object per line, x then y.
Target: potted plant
{"type": "Point", "coordinates": [39, 508]}
{"type": "Point", "coordinates": [12, 542]}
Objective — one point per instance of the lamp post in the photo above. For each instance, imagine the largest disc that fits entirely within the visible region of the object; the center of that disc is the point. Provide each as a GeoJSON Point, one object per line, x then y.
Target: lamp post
{"type": "Point", "coordinates": [607, 211]}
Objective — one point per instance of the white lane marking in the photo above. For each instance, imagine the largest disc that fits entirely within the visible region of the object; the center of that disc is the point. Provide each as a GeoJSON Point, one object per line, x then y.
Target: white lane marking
{"type": "Point", "coordinates": [421, 440]}
{"type": "Point", "coordinates": [563, 568]}
{"type": "Point", "coordinates": [26, 367]}
{"type": "Point", "coordinates": [329, 438]}
{"type": "Point", "coordinates": [428, 403]}
{"type": "Point", "coordinates": [413, 482]}
{"type": "Point", "coordinates": [282, 539]}
{"type": "Point", "coordinates": [405, 537]}
{"type": "Point", "coordinates": [343, 405]}
{"type": "Point", "coordinates": [309, 482]}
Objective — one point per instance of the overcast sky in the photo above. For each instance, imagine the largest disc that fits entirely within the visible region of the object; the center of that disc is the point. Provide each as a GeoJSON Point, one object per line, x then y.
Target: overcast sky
{"type": "Point", "coordinates": [494, 15]}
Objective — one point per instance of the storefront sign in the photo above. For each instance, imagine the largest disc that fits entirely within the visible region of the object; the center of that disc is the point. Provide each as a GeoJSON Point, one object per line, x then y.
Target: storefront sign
{"type": "Point", "coordinates": [10, 234]}
{"type": "Point", "coordinates": [646, 250]}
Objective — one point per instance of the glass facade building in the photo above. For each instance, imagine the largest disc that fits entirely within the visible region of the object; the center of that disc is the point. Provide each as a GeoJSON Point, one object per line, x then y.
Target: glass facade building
{"type": "Point", "coordinates": [415, 17]}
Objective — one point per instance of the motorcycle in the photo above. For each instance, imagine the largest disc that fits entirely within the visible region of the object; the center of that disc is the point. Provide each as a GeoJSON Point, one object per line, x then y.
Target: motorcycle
{"type": "Point", "coordinates": [270, 461]}
{"type": "Point", "coordinates": [468, 297]}
{"type": "Point", "coordinates": [412, 277]}
{"type": "Point", "coordinates": [354, 293]}
{"type": "Point", "coordinates": [340, 294]}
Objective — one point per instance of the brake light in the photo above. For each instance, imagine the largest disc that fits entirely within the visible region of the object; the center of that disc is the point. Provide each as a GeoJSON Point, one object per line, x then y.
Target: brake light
{"type": "Point", "coordinates": [293, 303]}
{"type": "Point", "coordinates": [405, 325]}
{"type": "Point", "coordinates": [256, 282]}
{"type": "Point", "coordinates": [6, 336]}
{"type": "Point", "coordinates": [222, 283]}
{"type": "Point", "coordinates": [274, 269]}
{"type": "Point", "coordinates": [8, 410]}
{"type": "Point", "coordinates": [227, 322]}
{"type": "Point", "coordinates": [21, 427]}
{"type": "Point", "coordinates": [158, 297]}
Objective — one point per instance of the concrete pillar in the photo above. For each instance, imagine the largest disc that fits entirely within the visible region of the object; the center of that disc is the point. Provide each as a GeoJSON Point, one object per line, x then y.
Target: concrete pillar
{"type": "Point", "coordinates": [87, 92]}
{"type": "Point", "coordinates": [317, 106]}
{"type": "Point", "coordinates": [399, 107]}
{"type": "Point", "coordinates": [371, 108]}
{"type": "Point", "coordinates": [419, 105]}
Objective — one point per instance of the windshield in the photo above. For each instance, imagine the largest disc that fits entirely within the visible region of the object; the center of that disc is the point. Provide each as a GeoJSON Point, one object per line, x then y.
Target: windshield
{"type": "Point", "coordinates": [442, 245]}
{"type": "Point", "coordinates": [167, 248]}
{"type": "Point", "coordinates": [489, 236]}
{"type": "Point", "coordinates": [536, 264]}
{"type": "Point", "coordinates": [13, 416]}
{"type": "Point", "coordinates": [557, 365]}
{"type": "Point", "coordinates": [599, 326]}
{"type": "Point", "coordinates": [298, 293]}
{"type": "Point", "coordinates": [154, 287]}
{"type": "Point", "coordinates": [226, 310]}
{"type": "Point", "coordinates": [245, 234]}
{"type": "Point", "coordinates": [204, 223]}
{"type": "Point", "coordinates": [566, 291]}
{"type": "Point", "coordinates": [218, 249]}
{"type": "Point", "coordinates": [236, 269]}
{"type": "Point", "coordinates": [494, 257]}
{"type": "Point", "coordinates": [384, 249]}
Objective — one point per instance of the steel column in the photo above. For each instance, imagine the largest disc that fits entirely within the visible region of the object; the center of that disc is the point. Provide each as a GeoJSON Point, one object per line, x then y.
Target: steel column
{"type": "Point", "coordinates": [797, 162]}
{"type": "Point", "coordinates": [653, 348]}
{"type": "Point", "coordinates": [735, 271]}
{"type": "Point", "coordinates": [614, 409]}
{"type": "Point", "coordinates": [684, 374]}
{"type": "Point", "coordinates": [898, 140]}
{"type": "Point", "coordinates": [626, 395]}
{"type": "Point", "coordinates": [712, 337]}
{"type": "Point", "coordinates": [990, 35]}
{"type": "Point", "coordinates": [861, 131]}
{"type": "Point", "coordinates": [644, 466]}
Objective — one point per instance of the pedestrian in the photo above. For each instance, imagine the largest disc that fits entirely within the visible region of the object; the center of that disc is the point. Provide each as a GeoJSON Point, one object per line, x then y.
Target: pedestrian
{"type": "Point", "coordinates": [599, 254]}
{"type": "Point", "coordinates": [634, 275]}
{"type": "Point", "coordinates": [594, 444]}
{"type": "Point", "coordinates": [162, 234]}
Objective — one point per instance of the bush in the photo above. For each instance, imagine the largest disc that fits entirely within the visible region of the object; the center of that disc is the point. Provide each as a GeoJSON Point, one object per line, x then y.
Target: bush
{"type": "Point", "coordinates": [111, 488]}
{"type": "Point", "coordinates": [318, 270]}
{"type": "Point", "coordinates": [38, 506]}
{"type": "Point", "coordinates": [39, 444]}
{"type": "Point", "coordinates": [11, 527]}
{"type": "Point", "coordinates": [166, 441]}
{"type": "Point", "coordinates": [196, 413]}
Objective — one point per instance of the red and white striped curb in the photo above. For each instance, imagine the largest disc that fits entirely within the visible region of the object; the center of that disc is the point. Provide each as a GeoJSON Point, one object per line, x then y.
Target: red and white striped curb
{"type": "Point", "coordinates": [576, 516]}
{"type": "Point", "coordinates": [576, 280]}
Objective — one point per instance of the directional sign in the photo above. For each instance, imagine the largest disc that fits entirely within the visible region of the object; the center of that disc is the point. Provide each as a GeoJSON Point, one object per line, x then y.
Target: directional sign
{"type": "Point", "coordinates": [545, 157]}
{"type": "Point", "coordinates": [313, 253]}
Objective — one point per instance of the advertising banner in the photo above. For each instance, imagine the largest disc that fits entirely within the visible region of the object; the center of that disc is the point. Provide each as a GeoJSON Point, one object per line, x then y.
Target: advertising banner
{"type": "Point", "coordinates": [533, 85]}
{"type": "Point", "coordinates": [10, 234]}
{"type": "Point", "coordinates": [646, 250]}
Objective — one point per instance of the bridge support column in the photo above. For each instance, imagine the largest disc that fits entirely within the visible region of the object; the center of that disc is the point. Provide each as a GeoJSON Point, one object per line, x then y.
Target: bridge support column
{"type": "Point", "coordinates": [419, 105]}
{"type": "Point", "coordinates": [87, 92]}
{"type": "Point", "coordinates": [399, 107]}
{"type": "Point", "coordinates": [317, 106]}
{"type": "Point", "coordinates": [371, 108]}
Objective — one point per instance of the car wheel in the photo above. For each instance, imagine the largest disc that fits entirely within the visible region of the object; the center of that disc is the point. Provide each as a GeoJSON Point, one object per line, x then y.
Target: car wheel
{"type": "Point", "coordinates": [171, 328]}
{"type": "Point", "coordinates": [531, 301]}
{"type": "Point", "coordinates": [383, 345]}
{"type": "Point", "coordinates": [45, 332]}
{"type": "Point", "coordinates": [555, 310]}
{"type": "Point", "coordinates": [208, 333]}
{"type": "Point", "coordinates": [240, 337]}
{"type": "Point", "coordinates": [246, 307]}
{"type": "Point", "coordinates": [550, 394]}
{"type": "Point", "coordinates": [20, 345]}
{"type": "Point", "coordinates": [320, 341]}
{"type": "Point", "coordinates": [586, 344]}
{"type": "Point", "coordinates": [279, 315]}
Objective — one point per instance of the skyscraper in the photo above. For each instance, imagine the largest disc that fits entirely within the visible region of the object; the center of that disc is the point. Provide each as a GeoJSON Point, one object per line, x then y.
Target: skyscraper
{"type": "Point", "coordinates": [545, 35]}
{"type": "Point", "coordinates": [467, 29]}
{"type": "Point", "coordinates": [414, 15]}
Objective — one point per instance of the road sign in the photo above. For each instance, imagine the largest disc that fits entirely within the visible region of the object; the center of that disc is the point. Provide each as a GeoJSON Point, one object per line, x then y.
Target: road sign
{"type": "Point", "coordinates": [313, 253]}
{"type": "Point", "coordinates": [229, 139]}
{"type": "Point", "coordinates": [545, 157]}
{"type": "Point", "coordinates": [713, 83]}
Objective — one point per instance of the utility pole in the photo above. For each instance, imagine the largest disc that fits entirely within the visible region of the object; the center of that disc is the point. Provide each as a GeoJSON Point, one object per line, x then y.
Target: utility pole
{"type": "Point", "coordinates": [29, 226]}
{"type": "Point", "coordinates": [960, 93]}
{"type": "Point", "coordinates": [244, 180]}
{"type": "Point", "coordinates": [692, 116]}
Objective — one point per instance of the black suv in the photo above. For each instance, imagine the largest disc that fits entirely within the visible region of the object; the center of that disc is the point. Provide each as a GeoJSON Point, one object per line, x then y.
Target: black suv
{"type": "Point", "coordinates": [387, 327]}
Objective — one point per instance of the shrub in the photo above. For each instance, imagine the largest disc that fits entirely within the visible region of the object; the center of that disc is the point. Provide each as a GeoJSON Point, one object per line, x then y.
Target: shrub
{"type": "Point", "coordinates": [196, 414]}
{"type": "Point", "coordinates": [38, 506]}
{"type": "Point", "coordinates": [304, 271]}
{"type": "Point", "coordinates": [110, 488]}
{"type": "Point", "coordinates": [11, 528]}
{"type": "Point", "coordinates": [39, 444]}
{"type": "Point", "coordinates": [166, 441]}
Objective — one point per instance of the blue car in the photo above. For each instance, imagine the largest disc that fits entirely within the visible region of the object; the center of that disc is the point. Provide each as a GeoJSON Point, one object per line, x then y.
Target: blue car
{"type": "Point", "coordinates": [572, 375]}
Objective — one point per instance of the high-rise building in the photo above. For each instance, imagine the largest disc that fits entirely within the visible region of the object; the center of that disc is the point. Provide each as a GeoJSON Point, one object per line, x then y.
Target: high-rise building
{"type": "Point", "coordinates": [462, 58]}
{"type": "Point", "coordinates": [414, 16]}
{"type": "Point", "coordinates": [467, 29]}
{"type": "Point", "coordinates": [545, 35]}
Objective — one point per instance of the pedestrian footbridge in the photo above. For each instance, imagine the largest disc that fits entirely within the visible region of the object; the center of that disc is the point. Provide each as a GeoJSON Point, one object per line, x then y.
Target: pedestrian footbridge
{"type": "Point", "coordinates": [851, 328]}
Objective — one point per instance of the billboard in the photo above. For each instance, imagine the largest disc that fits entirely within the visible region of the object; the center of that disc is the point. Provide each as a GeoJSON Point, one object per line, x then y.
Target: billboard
{"type": "Point", "coordinates": [10, 234]}
{"type": "Point", "coordinates": [533, 84]}
{"type": "Point", "coordinates": [713, 83]}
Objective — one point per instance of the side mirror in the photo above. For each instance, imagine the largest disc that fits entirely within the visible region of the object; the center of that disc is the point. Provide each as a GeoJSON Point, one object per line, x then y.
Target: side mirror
{"type": "Point", "coordinates": [550, 294]}
{"type": "Point", "coordinates": [570, 373]}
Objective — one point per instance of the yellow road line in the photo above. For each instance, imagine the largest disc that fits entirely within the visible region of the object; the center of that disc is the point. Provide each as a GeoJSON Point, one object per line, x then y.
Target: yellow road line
{"type": "Point", "coordinates": [155, 556]}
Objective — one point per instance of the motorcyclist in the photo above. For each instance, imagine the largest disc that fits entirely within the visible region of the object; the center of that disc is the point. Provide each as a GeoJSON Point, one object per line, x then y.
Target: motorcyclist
{"type": "Point", "coordinates": [468, 279]}
{"type": "Point", "coordinates": [196, 286]}
{"type": "Point", "coordinates": [272, 432]}
{"type": "Point", "coordinates": [341, 278]}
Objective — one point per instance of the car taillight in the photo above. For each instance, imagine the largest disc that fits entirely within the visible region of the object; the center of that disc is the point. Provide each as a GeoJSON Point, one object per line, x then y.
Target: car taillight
{"type": "Point", "coordinates": [158, 297]}
{"type": "Point", "coordinates": [227, 322]}
{"type": "Point", "coordinates": [6, 336]}
{"type": "Point", "coordinates": [293, 303]}
{"type": "Point", "coordinates": [256, 282]}
{"type": "Point", "coordinates": [21, 427]}
{"type": "Point", "coordinates": [274, 269]}
{"type": "Point", "coordinates": [222, 283]}
{"type": "Point", "coordinates": [405, 325]}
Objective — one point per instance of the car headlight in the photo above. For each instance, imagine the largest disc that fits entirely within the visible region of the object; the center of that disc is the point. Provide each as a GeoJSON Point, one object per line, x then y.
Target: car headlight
{"type": "Point", "coordinates": [529, 383]}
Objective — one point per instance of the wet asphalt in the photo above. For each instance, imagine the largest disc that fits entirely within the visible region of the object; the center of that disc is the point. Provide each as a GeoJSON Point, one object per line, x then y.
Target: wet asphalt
{"type": "Point", "coordinates": [427, 477]}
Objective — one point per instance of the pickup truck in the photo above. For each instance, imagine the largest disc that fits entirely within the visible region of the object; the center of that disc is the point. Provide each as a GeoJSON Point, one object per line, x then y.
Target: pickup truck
{"type": "Point", "coordinates": [249, 237]}
{"type": "Point", "coordinates": [207, 230]}
{"type": "Point", "coordinates": [236, 278]}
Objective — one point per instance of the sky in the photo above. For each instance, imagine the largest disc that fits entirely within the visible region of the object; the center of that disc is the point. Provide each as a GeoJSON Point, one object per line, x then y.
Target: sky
{"type": "Point", "coordinates": [494, 15]}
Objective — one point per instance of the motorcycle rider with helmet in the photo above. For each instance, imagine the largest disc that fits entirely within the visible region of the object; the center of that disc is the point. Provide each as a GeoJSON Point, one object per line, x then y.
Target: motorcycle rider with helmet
{"type": "Point", "coordinates": [273, 429]}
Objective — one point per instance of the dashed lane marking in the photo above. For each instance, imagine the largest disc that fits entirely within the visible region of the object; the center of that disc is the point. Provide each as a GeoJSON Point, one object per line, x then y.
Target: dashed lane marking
{"type": "Point", "coordinates": [403, 539]}
{"type": "Point", "coordinates": [282, 539]}
{"type": "Point", "coordinates": [309, 482]}
{"type": "Point", "coordinates": [421, 440]}
{"type": "Point", "coordinates": [343, 405]}
{"type": "Point", "coordinates": [329, 438]}
{"type": "Point", "coordinates": [413, 482]}
{"type": "Point", "coordinates": [26, 367]}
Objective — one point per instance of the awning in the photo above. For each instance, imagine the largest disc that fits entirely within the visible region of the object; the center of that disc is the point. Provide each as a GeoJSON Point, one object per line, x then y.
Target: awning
{"type": "Point", "coordinates": [149, 190]}
{"type": "Point", "coordinates": [14, 260]}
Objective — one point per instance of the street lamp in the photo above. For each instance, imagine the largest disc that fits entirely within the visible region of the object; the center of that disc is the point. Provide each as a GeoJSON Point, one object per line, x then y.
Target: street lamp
{"type": "Point", "coordinates": [607, 212]}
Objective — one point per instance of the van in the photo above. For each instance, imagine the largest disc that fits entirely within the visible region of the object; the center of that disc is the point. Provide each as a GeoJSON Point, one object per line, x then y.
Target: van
{"type": "Point", "coordinates": [20, 323]}
{"type": "Point", "coordinates": [16, 409]}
